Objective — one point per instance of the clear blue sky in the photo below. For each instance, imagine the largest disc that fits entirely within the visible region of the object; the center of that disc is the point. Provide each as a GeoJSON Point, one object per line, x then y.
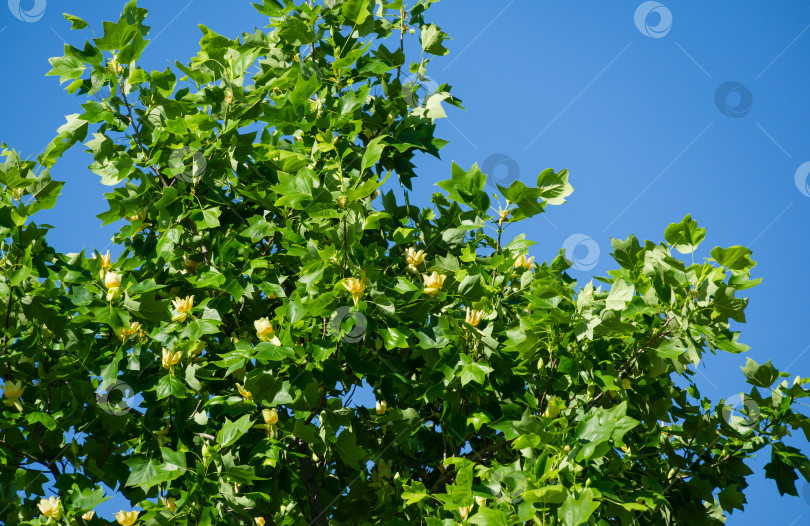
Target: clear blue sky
{"type": "Point", "coordinates": [630, 109]}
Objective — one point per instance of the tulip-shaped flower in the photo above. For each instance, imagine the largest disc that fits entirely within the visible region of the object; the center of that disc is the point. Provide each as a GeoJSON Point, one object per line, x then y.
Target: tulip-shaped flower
{"type": "Point", "coordinates": [433, 283]}
{"type": "Point", "coordinates": [183, 307]}
{"type": "Point", "coordinates": [414, 258]}
{"type": "Point", "coordinates": [126, 518]}
{"type": "Point", "coordinates": [170, 359]}
{"type": "Point", "coordinates": [113, 282]}
{"type": "Point", "coordinates": [12, 391]}
{"type": "Point", "coordinates": [89, 515]}
{"type": "Point", "coordinates": [382, 407]}
{"type": "Point", "coordinates": [523, 261]}
{"type": "Point", "coordinates": [170, 503]}
{"type": "Point", "coordinates": [265, 332]}
{"type": "Point", "coordinates": [247, 395]}
{"type": "Point", "coordinates": [51, 508]}
{"type": "Point", "coordinates": [356, 287]}
{"type": "Point", "coordinates": [105, 263]}
{"type": "Point", "coordinates": [124, 333]}
{"type": "Point", "coordinates": [474, 317]}
{"type": "Point", "coordinates": [270, 417]}
{"type": "Point", "coordinates": [464, 511]}
{"type": "Point", "coordinates": [259, 521]}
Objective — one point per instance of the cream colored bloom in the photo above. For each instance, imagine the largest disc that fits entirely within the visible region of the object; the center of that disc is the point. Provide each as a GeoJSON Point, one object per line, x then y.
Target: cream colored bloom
{"type": "Point", "coordinates": [124, 333]}
{"type": "Point", "coordinates": [270, 416]}
{"type": "Point", "coordinates": [265, 332]}
{"type": "Point", "coordinates": [89, 515]}
{"type": "Point", "coordinates": [433, 283]}
{"type": "Point", "coordinates": [126, 518]}
{"type": "Point", "coordinates": [169, 503]}
{"type": "Point", "coordinates": [247, 395]}
{"type": "Point", "coordinates": [382, 407]}
{"type": "Point", "coordinates": [414, 258]}
{"type": "Point", "coordinates": [105, 262]}
{"type": "Point", "coordinates": [13, 390]}
{"type": "Point", "coordinates": [113, 282]}
{"type": "Point", "coordinates": [474, 317]}
{"type": "Point", "coordinates": [481, 501]}
{"type": "Point", "coordinates": [523, 261]}
{"type": "Point", "coordinates": [170, 359]}
{"type": "Point", "coordinates": [259, 521]}
{"type": "Point", "coordinates": [356, 287]}
{"type": "Point", "coordinates": [51, 508]}
{"type": "Point", "coordinates": [190, 265]}
{"type": "Point", "coordinates": [465, 511]}
{"type": "Point", "coordinates": [183, 307]}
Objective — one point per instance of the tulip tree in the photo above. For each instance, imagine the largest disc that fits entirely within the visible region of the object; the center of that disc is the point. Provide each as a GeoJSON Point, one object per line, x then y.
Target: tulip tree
{"type": "Point", "coordinates": [271, 265]}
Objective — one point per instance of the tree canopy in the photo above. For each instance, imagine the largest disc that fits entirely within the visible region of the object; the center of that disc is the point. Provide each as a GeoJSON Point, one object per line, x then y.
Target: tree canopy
{"type": "Point", "coordinates": [272, 264]}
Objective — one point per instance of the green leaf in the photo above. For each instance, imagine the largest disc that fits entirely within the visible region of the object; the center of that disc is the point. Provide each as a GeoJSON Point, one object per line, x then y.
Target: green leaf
{"type": "Point", "coordinates": [760, 375]}
{"type": "Point", "coordinates": [620, 294]}
{"type": "Point", "coordinates": [685, 236]}
{"type": "Point", "coordinates": [735, 258]}
{"type": "Point", "coordinates": [233, 431]}
{"type": "Point", "coordinates": [553, 494]}
{"type": "Point", "coordinates": [42, 418]}
{"type": "Point", "coordinates": [348, 450]}
{"type": "Point", "coordinates": [467, 187]}
{"type": "Point", "coordinates": [170, 385]}
{"type": "Point", "coordinates": [355, 11]}
{"type": "Point", "coordinates": [489, 517]}
{"type": "Point", "coordinates": [432, 37]}
{"type": "Point", "coordinates": [75, 21]}
{"type": "Point", "coordinates": [575, 512]}
{"type": "Point", "coordinates": [372, 153]}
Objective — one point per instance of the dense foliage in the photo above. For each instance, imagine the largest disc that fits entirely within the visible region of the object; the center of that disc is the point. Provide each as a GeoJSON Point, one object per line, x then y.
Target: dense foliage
{"type": "Point", "coordinates": [208, 370]}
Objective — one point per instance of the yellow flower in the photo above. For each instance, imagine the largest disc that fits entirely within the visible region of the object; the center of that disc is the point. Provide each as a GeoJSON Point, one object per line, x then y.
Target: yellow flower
{"type": "Point", "coordinates": [384, 469]}
{"type": "Point", "coordinates": [51, 508]}
{"type": "Point", "coordinates": [190, 264]}
{"type": "Point", "coordinates": [126, 518]}
{"type": "Point", "coordinates": [169, 503]}
{"type": "Point", "coordinates": [134, 328]}
{"type": "Point", "coordinates": [140, 215]}
{"type": "Point", "coordinates": [414, 258]}
{"type": "Point", "coordinates": [247, 395]}
{"type": "Point", "coordinates": [523, 261]}
{"type": "Point", "coordinates": [555, 404]}
{"type": "Point", "coordinates": [465, 511]}
{"type": "Point", "coordinates": [183, 307]}
{"type": "Point", "coordinates": [13, 389]}
{"type": "Point", "coordinates": [113, 282]}
{"type": "Point", "coordinates": [382, 407]}
{"type": "Point", "coordinates": [89, 515]}
{"type": "Point", "coordinates": [481, 501]}
{"type": "Point", "coordinates": [170, 358]}
{"type": "Point", "coordinates": [474, 317]}
{"type": "Point", "coordinates": [105, 262]}
{"type": "Point", "coordinates": [265, 332]}
{"type": "Point", "coordinates": [356, 288]}
{"type": "Point", "coordinates": [259, 521]}
{"type": "Point", "coordinates": [433, 283]}
{"type": "Point", "coordinates": [17, 193]}
{"type": "Point", "coordinates": [270, 416]}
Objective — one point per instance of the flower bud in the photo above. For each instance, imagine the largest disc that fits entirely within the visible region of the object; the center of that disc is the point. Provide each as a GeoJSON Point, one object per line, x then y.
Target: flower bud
{"type": "Point", "coordinates": [382, 407]}
{"type": "Point", "coordinates": [270, 416]}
